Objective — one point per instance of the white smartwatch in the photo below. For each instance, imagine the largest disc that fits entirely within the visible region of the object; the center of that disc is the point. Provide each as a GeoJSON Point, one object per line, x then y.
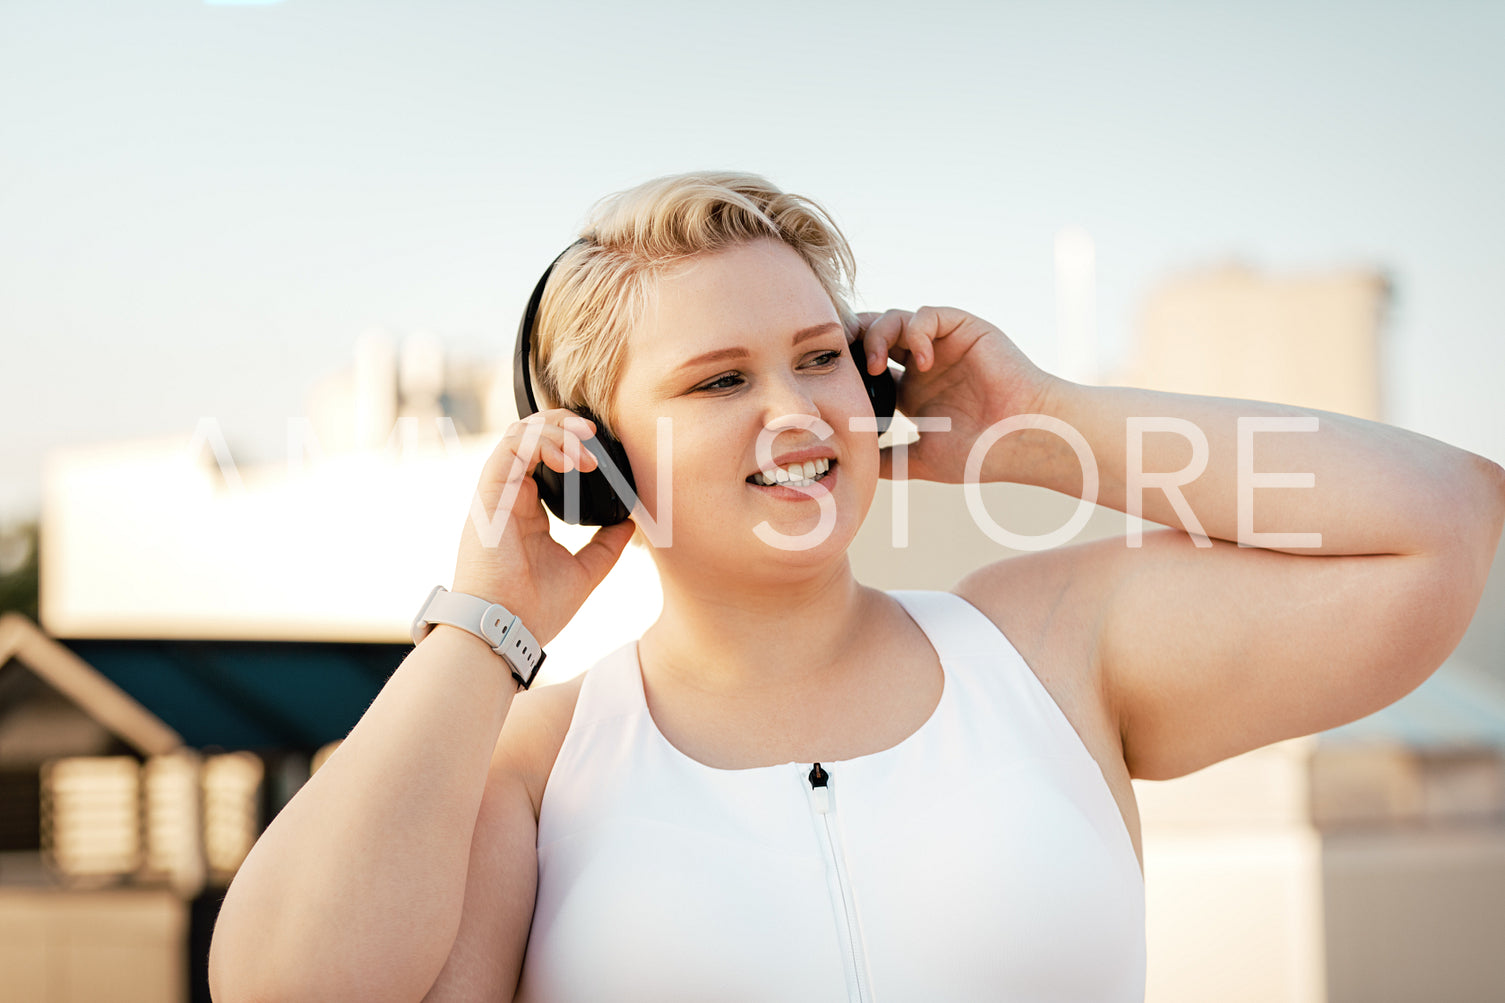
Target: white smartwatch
{"type": "Point", "coordinates": [491, 622]}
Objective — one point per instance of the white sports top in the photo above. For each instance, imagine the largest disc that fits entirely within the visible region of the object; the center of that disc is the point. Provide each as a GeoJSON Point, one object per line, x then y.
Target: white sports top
{"type": "Point", "coordinates": [981, 858]}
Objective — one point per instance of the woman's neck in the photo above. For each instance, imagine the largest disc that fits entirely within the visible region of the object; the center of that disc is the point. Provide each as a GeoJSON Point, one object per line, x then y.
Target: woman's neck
{"type": "Point", "coordinates": [755, 635]}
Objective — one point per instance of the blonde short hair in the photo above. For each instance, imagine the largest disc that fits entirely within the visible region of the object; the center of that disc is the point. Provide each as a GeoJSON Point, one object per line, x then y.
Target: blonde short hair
{"type": "Point", "coordinates": [601, 286]}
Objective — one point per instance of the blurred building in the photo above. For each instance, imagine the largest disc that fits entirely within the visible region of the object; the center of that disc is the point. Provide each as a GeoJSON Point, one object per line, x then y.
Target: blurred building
{"type": "Point", "coordinates": [339, 540]}
{"type": "Point", "coordinates": [1311, 339]}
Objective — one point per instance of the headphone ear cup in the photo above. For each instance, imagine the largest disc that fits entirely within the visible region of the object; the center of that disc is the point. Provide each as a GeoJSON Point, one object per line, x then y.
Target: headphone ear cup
{"type": "Point", "coordinates": [589, 498]}
{"type": "Point", "coordinates": [882, 393]}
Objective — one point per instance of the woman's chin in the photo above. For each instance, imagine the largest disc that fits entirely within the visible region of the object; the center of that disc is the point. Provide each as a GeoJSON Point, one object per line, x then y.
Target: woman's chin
{"type": "Point", "coordinates": [762, 551]}
{"type": "Point", "coordinates": [766, 534]}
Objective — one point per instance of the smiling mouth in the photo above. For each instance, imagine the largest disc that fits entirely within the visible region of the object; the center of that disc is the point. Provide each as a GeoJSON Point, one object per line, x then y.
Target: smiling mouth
{"type": "Point", "coordinates": [795, 475]}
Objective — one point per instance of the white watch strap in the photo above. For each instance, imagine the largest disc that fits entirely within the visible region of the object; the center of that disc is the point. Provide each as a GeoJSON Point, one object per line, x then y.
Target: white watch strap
{"type": "Point", "coordinates": [491, 622]}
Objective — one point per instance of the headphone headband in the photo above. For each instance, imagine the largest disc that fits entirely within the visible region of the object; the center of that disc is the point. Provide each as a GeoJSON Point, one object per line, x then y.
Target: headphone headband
{"type": "Point", "coordinates": [522, 374]}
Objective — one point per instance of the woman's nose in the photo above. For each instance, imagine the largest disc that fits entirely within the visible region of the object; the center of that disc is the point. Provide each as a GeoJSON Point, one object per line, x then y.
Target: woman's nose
{"type": "Point", "coordinates": [788, 395]}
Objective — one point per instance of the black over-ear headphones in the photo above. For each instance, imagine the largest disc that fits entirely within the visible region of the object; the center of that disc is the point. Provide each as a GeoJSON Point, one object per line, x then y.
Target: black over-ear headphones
{"type": "Point", "coordinates": [595, 498]}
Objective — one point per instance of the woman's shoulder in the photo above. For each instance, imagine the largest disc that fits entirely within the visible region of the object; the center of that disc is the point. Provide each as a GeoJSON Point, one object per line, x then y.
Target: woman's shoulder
{"type": "Point", "coordinates": [1045, 602]}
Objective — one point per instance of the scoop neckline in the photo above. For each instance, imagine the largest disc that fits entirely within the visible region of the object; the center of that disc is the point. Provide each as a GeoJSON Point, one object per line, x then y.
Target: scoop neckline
{"type": "Point", "coordinates": [930, 723]}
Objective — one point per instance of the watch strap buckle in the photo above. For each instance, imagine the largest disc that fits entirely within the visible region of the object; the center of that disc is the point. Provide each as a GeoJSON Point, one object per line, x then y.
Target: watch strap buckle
{"type": "Point", "coordinates": [493, 623]}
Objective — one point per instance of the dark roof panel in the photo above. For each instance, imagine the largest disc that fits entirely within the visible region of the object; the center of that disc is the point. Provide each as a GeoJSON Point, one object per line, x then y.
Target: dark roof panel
{"type": "Point", "coordinates": [248, 694]}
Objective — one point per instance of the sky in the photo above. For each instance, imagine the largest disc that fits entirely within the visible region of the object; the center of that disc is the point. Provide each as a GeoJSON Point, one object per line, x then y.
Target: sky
{"type": "Point", "coordinates": [203, 206]}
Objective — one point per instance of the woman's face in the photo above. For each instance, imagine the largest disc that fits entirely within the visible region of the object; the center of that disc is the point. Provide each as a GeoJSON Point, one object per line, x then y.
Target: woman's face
{"type": "Point", "coordinates": [737, 342]}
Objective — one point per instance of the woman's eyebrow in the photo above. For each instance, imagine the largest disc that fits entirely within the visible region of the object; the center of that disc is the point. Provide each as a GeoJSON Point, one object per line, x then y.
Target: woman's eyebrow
{"type": "Point", "coordinates": [803, 334]}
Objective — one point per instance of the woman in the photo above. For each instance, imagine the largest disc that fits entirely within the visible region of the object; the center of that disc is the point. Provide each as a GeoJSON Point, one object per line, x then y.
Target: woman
{"type": "Point", "coordinates": [793, 786]}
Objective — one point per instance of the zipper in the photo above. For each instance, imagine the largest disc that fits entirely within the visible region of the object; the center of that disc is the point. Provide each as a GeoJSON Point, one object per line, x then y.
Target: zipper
{"type": "Point", "coordinates": [850, 935]}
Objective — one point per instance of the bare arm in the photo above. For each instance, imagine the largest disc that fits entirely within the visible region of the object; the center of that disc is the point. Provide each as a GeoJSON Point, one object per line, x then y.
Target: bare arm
{"type": "Point", "coordinates": [1209, 651]}
{"type": "Point", "coordinates": [486, 957]}
{"type": "Point", "coordinates": [356, 890]}
{"type": "Point", "coordinates": [1205, 649]}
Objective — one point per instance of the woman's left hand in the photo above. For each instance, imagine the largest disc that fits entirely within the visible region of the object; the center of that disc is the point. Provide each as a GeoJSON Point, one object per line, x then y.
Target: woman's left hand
{"type": "Point", "coordinates": [957, 366]}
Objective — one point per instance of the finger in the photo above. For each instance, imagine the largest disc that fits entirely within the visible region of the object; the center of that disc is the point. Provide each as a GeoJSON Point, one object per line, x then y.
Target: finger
{"type": "Point", "coordinates": [516, 455]}
{"type": "Point", "coordinates": [929, 325]}
{"type": "Point", "coordinates": [885, 332]}
{"type": "Point", "coordinates": [559, 417]}
{"type": "Point", "coordinates": [528, 441]}
{"type": "Point", "coordinates": [557, 443]}
{"type": "Point", "coordinates": [509, 461]}
{"type": "Point", "coordinates": [577, 423]}
{"type": "Point", "coordinates": [606, 545]}
{"type": "Point", "coordinates": [571, 442]}
{"type": "Point", "coordinates": [575, 429]}
{"type": "Point", "coordinates": [555, 458]}
{"type": "Point", "coordinates": [554, 427]}
{"type": "Point", "coordinates": [938, 323]}
{"type": "Point", "coordinates": [858, 328]}
{"type": "Point", "coordinates": [920, 335]}
{"type": "Point", "coordinates": [864, 321]}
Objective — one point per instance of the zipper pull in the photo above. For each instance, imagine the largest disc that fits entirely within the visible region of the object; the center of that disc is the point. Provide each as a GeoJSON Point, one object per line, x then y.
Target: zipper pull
{"type": "Point", "coordinates": [818, 789]}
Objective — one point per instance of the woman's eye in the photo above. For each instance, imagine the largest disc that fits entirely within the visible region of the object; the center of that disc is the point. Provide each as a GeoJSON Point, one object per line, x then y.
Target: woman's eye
{"type": "Point", "coordinates": [732, 381]}
{"type": "Point", "coordinates": [728, 382]}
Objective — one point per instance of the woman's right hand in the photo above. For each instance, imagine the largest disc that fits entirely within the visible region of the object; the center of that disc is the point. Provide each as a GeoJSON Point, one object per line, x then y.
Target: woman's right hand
{"type": "Point", "coordinates": [506, 553]}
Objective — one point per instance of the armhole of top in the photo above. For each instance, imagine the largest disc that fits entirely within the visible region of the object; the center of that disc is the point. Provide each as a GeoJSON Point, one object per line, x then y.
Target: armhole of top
{"type": "Point", "coordinates": [1059, 722]}
{"type": "Point", "coordinates": [954, 616]}
{"type": "Point", "coordinates": [596, 686]}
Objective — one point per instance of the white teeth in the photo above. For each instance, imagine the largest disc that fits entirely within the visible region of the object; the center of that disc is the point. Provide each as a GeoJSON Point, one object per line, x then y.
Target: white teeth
{"type": "Point", "coordinates": [798, 474]}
